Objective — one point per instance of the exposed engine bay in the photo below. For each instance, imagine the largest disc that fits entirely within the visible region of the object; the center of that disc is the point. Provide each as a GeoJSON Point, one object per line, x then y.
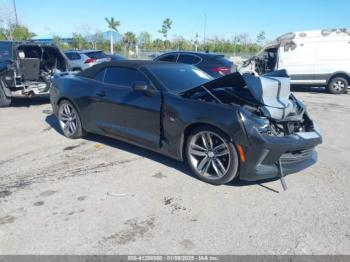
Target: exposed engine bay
{"type": "Point", "coordinates": [32, 69]}
{"type": "Point", "coordinates": [267, 97]}
{"type": "Point", "coordinates": [264, 62]}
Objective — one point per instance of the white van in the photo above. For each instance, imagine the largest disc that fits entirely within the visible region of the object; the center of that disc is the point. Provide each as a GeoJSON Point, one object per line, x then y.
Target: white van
{"type": "Point", "coordinates": [314, 58]}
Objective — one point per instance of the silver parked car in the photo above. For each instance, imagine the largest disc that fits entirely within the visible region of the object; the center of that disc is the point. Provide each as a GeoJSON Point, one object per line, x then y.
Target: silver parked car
{"type": "Point", "coordinates": [79, 60]}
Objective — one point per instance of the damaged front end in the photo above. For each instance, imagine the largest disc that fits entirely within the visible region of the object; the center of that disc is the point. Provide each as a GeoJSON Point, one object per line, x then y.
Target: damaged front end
{"type": "Point", "coordinates": [282, 137]}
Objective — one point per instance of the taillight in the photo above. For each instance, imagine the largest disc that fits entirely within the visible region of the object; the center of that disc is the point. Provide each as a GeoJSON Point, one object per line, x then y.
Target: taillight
{"type": "Point", "coordinates": [221, 70]}
{"type": "Point", "coordinates": [90, 60]}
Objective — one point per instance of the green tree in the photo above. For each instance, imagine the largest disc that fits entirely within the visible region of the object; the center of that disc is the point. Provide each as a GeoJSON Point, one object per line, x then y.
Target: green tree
{"type": "Point", "coordinates": [129, 39]}
{"type": "Point", "coordinates": [167, 44]}
{"type": "Point", "coordinates": [97, 40]}
{"type": "Point", "coordinates": [261, 38]}
{"type": "Point", "coordinates": [79, 42]}
{"type": "Point", "coordinates": [158, 44]}
{"type": "Point", "coordinates": [113, 25]}
{"type": "Point", "coordinates": [181, 44]}
{"type": "Point", "coordinates": [145, 40]}
{"type": "Point", "coordinates": [21, 33]}
{"type": "Point", "coordinates": [195, 42]}
{"type": "Point", "coordinates": [58, 42]}
{"type": "Point", "coordinates": [3, 33]}
{"type": "Point", "coordinates": [167, 23]}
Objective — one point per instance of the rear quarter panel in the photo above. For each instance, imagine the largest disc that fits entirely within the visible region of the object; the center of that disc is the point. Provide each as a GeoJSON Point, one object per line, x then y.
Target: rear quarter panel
{"type": "Point", "coordinates": [80, 91]}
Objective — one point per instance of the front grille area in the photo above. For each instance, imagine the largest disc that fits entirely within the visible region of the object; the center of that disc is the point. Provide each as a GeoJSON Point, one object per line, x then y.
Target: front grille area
{"type": "Point", "coordinates": [296, 156]}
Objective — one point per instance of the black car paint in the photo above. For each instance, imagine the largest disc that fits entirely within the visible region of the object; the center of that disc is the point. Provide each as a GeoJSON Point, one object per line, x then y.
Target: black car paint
{"type": "Point", "coordinates": [162, 121]}
{"type": "Point", "coordinates": [207, 62]}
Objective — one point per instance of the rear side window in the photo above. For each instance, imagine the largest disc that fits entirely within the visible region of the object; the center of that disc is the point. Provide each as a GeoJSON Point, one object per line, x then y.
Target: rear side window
{"type": "Point", "coordinates": [168, 58]}
{"type": "Point", "coordinates": [188, 59]}
{"type": "Point", "coordinates": [96, 55]}
{"type": "Point", "coordinates": [196, 60]}
{"type": "Point", "coordinates": [73, 56]}
{"type": "Point", "coordinates": [100, 75]}
{"type": "Point", "coordinates": [123, 76]}
{"type": "Point", "coordinates": [223, 60]}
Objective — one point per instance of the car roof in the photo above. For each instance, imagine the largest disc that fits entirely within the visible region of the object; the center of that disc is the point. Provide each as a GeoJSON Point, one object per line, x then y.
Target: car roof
{"type": "Point", "coordinates": [28, 42]}
{"type": "Point", "coordinates": [83, 51]}
{"type": "Point", "coordinates": [200, 54]}
{"type": "Point", "coordinates": [92, 71]}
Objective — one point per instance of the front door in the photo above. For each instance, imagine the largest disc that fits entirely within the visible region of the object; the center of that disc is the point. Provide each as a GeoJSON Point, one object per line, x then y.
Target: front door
{"type": "Point", "coordinates": [121, 111]}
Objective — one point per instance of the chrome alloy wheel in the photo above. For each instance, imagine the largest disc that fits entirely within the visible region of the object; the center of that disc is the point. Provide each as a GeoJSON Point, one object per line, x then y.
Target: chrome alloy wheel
{"type": "Point", "coordinates": [338, 85]}
{"type": "Point", "coordinates": [209, 154]}
{"type": "Point", "coordinates": [68, 119]}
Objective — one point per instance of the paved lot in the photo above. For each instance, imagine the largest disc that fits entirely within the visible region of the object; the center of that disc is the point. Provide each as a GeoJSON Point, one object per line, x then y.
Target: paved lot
{"type": "Point", "coordinates": [101, 196]}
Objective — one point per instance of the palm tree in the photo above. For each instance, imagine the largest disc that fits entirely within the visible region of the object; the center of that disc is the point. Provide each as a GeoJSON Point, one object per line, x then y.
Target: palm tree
{"type": "Point", "coordinates": [113, 26]}
{"type": "Point", "coordinates": [129, 39]}
{"type": "Point", "coordinates": [166, 27]}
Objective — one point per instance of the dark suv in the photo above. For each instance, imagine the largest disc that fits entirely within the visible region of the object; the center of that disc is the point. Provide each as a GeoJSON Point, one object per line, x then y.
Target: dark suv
{"type": "Point", "coordinates": [26, 68]}
{"type": "Point", "coordinates": [213, 64]}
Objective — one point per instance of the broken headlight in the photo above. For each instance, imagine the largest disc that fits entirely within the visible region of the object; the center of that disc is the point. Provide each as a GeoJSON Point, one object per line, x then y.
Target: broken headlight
{"type": "Point", "coordinates": [250, 120]}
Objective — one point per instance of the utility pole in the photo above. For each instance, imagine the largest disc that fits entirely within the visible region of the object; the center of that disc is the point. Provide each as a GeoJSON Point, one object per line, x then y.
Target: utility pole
{"type": "Point", "coordinates": [15, 10]}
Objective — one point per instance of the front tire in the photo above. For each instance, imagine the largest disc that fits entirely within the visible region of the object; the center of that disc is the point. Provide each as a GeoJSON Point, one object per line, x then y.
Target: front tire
{"type": "Point", "coordinates": [338, 85]}
{"type": "Point", "coordinates": [69, 120]}
{"type": "Point", "coordinates": [4, 100]}
{"type": "Point", "coordinates": [211, 156]}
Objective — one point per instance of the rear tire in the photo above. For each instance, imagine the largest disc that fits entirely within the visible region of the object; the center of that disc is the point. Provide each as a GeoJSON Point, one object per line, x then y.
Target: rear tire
{"type": "Point", "coordinates": [338, 85]}
{"type": "Point", "coordinates": [4, 100]}
{"type": "Point", "coordinates": [69, 120]}
{"type": "Point", "coordinates": [211, 156]}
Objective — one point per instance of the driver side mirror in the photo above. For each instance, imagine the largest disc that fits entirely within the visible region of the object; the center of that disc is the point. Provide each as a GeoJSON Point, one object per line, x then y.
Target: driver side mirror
{"type": "Point", "coordinates": [143, 87]}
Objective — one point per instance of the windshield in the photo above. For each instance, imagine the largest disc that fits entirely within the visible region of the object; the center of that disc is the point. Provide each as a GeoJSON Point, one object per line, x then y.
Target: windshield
{"type": "Point", "coordinates": [178, 77]}
{"type": "Point", "coordinates": [5, 51]}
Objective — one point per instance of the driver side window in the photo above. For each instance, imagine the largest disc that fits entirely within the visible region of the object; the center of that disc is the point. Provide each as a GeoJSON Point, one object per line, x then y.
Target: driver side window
{"type": "Point", "coordinates": [121, 76]}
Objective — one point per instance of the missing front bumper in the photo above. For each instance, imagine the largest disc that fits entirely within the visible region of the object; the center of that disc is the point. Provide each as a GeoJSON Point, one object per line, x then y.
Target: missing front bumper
{"type": "Point", "coordinates": [295, 152]}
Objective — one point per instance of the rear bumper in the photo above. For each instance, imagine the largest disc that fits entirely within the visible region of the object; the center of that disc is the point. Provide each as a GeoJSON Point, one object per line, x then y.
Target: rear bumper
{"type": "Point", "coordinates": [296, 153]}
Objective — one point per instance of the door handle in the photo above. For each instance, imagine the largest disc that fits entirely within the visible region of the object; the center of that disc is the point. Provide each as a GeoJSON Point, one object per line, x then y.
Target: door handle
{"type": "Point", "coordinates": [101, 93]}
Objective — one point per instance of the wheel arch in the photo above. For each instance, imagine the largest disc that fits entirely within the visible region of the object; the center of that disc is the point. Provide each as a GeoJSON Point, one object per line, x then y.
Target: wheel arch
{"type": "Point", "coordinates": [339, 74]}
{"type": "Point", "coordinates": [75, 106]}
{"type": "Point", "coordinates": [5, 87]}
{"type": "Point", "coordinates": [66, 98]}
{"type": "Point", "coordinates": [189, 128]}
{"type": "Point", "coordinates": [73, 103]}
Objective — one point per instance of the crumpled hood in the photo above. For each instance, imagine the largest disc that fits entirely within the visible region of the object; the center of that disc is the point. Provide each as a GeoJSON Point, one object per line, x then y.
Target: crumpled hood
{"type": "Point", "coordinates": [271, 91]}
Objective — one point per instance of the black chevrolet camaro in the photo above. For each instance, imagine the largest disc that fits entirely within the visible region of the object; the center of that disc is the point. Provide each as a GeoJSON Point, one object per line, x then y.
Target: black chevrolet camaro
{"type": "Point", "coordinates": [234, 126]}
